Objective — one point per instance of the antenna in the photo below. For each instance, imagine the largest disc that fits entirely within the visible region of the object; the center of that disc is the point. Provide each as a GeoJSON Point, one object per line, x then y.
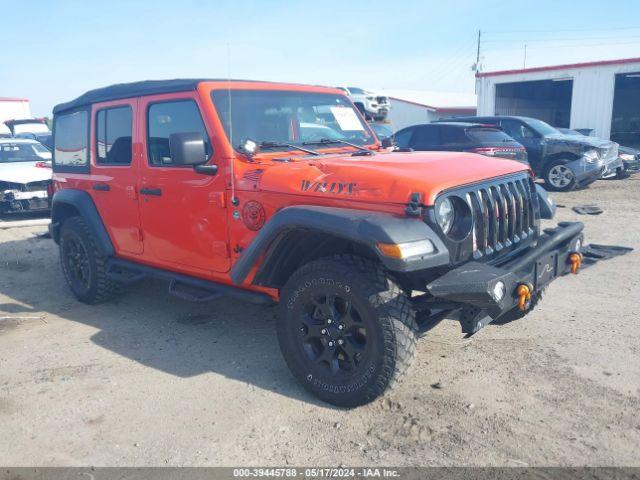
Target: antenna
{"type": "Point", "coordinates": [232, 160]}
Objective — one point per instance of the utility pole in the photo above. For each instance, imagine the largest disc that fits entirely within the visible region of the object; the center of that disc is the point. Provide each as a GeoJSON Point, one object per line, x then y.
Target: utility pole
{"type": "Point", "coordinates": [478, 51]}
{"type": "Point", "coordinates": [524, 61]}
{"type": "Point", "coordinates": [477, 65]}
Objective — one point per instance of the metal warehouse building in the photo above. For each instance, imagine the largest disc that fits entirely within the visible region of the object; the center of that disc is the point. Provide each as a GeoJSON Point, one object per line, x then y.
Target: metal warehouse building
{"type": "Point", "coordinates": [602, 96]}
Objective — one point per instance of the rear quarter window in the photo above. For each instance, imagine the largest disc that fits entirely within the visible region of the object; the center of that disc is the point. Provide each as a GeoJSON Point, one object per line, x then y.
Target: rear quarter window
{"type": "Point", "coordinates": [71, 141]}
{"type": "Point", "coordinates": [488, 135]}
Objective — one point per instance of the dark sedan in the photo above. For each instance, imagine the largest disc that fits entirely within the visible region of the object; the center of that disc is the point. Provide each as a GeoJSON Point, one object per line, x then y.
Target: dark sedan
{"type": "Point", "coordinates": [563, 161]}
{"type": "Point", "coordinates": [461, 137]}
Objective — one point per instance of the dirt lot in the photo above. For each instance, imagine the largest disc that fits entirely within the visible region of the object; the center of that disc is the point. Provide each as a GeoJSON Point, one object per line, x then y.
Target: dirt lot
{"type": "Point", "coordinates": [153, 380]}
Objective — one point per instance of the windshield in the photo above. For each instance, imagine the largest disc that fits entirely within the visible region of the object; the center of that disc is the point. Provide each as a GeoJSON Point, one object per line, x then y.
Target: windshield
{"type": "Point", "coordinates": [541, 127]}
{"type": "Point", "coordinates": [23, 152]}
{"type": "Point", "coordinates": [288, 117]}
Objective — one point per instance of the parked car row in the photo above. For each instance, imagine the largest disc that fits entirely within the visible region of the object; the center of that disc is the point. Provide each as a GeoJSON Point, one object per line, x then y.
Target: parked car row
{"type": "Point", "coordinates": [563, 159]}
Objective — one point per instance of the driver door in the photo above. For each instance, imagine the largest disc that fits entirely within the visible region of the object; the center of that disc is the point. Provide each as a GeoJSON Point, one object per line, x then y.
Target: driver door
{"type": "Point", "coordinates": [184, 219]}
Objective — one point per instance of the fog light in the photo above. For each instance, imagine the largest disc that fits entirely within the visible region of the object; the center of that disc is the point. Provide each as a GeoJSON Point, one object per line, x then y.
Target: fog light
{"type": "Point", "coordinates": [499, 291]}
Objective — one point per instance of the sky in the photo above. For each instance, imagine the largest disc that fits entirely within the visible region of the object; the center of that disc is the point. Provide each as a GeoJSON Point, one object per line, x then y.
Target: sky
{"type": "Point", "coordinates": [56, 50]}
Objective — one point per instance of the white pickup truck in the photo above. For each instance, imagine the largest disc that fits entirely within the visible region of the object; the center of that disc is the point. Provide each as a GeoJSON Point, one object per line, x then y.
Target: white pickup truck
{"type": "Point", "coordinates": [373, 106]}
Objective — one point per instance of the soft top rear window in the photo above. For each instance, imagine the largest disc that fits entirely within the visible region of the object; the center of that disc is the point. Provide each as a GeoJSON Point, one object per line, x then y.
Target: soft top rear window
{"type": "Point", "coordinates": [488, 135]}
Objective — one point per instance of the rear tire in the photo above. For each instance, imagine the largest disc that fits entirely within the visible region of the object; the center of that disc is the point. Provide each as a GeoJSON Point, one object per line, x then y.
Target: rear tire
{"type": "Point", "coordinates": [346, 330]}
{"type": "Point", "coordinates": [83, 264]}
{"type": "Point", "coordinates": [558, 177]}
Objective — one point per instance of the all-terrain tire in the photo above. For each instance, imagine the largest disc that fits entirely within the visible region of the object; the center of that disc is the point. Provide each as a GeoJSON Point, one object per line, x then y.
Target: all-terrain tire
{"type": "Point", "coordinates": [352, 288]}
{"type": "Point", "coordinates": [95, 286]}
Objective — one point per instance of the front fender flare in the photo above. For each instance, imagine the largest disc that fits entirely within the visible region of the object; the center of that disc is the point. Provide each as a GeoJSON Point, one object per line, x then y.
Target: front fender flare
{"type": "Point", "coordinates": [363, 227]}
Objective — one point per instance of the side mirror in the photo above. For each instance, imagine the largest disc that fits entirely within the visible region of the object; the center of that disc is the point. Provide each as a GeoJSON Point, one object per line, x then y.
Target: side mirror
{"type": "Point", "coordinates": [387, 142]}
{"type": "Point", "coordinates": [187, 148]}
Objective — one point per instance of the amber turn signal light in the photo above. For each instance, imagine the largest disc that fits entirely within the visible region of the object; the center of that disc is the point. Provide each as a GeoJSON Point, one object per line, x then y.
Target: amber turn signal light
{"type": "Point", "coordinates": [576, 262]}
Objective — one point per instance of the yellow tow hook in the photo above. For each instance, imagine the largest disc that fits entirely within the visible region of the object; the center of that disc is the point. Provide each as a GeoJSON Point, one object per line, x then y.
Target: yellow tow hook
{"type": "Point", "coordinates": [575, 259]}
{"type": "Point", "coordinates": [524, 296]}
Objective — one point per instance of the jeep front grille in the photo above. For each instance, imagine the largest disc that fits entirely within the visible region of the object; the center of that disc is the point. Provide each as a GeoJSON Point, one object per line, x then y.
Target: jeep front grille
{"type": "Point", "coordinates": [504, 214]}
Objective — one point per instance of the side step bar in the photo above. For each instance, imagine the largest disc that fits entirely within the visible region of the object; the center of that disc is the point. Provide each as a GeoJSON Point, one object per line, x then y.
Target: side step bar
{"type": "Point", "coordinates": [183, 286]}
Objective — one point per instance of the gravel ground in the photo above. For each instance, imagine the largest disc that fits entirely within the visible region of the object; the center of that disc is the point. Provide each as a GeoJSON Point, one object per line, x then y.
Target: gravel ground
{"type": "Point", "coordinates": [149, 379]}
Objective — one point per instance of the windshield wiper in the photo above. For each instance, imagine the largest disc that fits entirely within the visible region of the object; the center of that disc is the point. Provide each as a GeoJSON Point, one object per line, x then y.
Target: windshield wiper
{"type": "Point", "coordinates": [290, 145]}
{"type": "Point", "coordinates": [328, 141]}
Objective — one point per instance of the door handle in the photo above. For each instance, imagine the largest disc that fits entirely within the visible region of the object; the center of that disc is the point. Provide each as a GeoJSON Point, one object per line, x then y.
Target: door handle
{"type": "Point", "coordinates": [151, 191]}
{"type": "Point", "coordinates": [101, 187]}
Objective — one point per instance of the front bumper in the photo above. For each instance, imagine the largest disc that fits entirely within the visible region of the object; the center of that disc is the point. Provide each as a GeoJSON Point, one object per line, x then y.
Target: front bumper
{"type": "Point", "coordinates": [631, 166]}
{"type": "Point", "coordinates": [470, 289]}
{"type": "Point", "coordinates": [14, 201]}
{"type": "Point", "coordinates": [585, 172]}
{"type": "Point", "coordinates": [612, 168]}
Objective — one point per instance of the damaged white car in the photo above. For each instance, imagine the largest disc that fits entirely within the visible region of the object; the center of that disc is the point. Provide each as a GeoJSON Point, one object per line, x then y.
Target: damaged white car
{"type": "Point", "coordinates": [25, 175]}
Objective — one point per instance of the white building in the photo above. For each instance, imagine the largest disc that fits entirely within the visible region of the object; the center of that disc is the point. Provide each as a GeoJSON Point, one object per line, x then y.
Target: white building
{"type": "Point", "coordinates": [412, 107]}
{"type": "Point", "coordinates": [602, 96]}
{"type": "Point", "coordinates": [14, 108]}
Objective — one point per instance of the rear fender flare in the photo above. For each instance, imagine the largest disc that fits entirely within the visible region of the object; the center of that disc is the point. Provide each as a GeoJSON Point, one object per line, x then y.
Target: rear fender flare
{"type": "Point", "coordinates": [81, 202]}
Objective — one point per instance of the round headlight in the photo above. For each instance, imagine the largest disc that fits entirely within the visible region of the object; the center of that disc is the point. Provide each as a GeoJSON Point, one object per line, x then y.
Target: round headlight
{"type": "Point", "coordinates": [445, 215]}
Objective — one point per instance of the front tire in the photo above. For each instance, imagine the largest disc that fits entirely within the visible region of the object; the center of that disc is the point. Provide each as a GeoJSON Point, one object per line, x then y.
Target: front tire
{"type": "Point", "coordinates": [558, 177]}
{"type": "Point", "coordinates": [83, 264]}
{"type": "Point", "coordinates": [346, 330]}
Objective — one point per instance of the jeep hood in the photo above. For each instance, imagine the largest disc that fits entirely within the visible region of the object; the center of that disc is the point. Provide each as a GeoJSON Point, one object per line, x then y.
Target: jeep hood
{"type": "Point", "coordinates": [23, 172]}
{"type": "Point", "coordinates": [383, 177]}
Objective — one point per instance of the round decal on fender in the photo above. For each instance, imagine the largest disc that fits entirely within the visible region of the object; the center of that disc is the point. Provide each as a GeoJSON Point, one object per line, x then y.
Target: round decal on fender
{"type": "Point", "coordinates": [253, 215]}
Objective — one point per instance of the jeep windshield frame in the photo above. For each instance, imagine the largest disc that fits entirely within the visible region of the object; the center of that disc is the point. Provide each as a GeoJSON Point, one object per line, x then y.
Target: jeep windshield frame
{"type": "Point", "coordinates": [290, 119]}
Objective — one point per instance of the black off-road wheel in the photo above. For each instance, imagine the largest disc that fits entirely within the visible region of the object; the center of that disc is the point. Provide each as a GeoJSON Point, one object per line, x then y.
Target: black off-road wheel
{"type": "Point", "coordinates": [346, 330]}
{"type": "Point", "coordinates": [83, 264]}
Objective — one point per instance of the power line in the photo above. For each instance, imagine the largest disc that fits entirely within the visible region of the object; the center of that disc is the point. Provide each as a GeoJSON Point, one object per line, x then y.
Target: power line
{"type": "Point", "coordinates": [547, 40]}
{"type": "Point", "coordinates": [572, 45]}
{"type": "Point", "coordinates": [555, 30]}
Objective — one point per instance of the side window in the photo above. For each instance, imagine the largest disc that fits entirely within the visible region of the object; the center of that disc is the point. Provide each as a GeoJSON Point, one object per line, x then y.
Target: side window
{"type": "Point", "coordinates": [425, 137]}
{"type": "Point", "coordinates": [166, 118]}
{"type": "Point", "coordinates": [403, 137]}
{"type": "Point", "coordinates": [516, 129]}
{"type": "Point", "coordinates": [452, 136]}
{"type": "Point", "coordinates": [71, 140]}
{"type": "Point", "coordinates": [113, 136]}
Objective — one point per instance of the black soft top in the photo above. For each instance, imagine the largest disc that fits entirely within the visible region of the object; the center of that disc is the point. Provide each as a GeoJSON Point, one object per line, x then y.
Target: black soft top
{"type": "Point", "coordinates": [138, 89]}
{"type": "Point", "coordinates": [129, 90]}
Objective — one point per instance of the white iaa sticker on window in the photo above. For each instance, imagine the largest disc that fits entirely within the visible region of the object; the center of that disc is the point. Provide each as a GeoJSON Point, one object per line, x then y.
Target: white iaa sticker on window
{"type": "Point", "coordinates": [347, 118]}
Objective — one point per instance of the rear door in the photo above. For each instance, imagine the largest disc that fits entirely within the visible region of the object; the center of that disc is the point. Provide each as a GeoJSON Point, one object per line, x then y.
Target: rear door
{"type": "Point", "coordinates": [115, 146]}
{"type": "Point", "coordinates": [183, 212]}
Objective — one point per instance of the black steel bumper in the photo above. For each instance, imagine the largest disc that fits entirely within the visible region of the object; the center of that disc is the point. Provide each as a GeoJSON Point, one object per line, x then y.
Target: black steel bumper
{"type": "Point", "coordinates": [473, 286]}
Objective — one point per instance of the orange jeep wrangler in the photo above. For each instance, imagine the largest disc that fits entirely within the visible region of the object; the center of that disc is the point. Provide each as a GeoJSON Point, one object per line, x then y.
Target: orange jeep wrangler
{"type": "Point", "coordinates": [280, 193]}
